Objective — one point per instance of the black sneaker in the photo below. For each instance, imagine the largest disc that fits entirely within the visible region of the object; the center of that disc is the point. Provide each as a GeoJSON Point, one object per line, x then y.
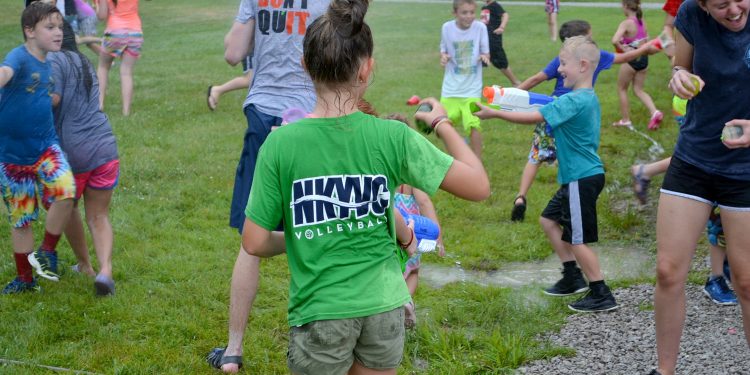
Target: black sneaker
{"type": "Point", "coordinates": [571, 283]}
{"type": "Point", "coordinates": [595, 301]}
{"type": "Point", "coordinates": [654, 372]}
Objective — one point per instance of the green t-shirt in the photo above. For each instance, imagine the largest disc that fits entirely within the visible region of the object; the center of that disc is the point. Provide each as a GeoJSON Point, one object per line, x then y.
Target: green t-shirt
{"type": "Point", "coordinates": [331, 180]}
{"type": "Point", "coordinates": [575, 119]}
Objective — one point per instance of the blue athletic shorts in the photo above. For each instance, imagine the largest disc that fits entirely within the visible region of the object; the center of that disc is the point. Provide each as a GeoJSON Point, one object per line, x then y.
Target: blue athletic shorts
{"type": "Point", "coordinates": [258, 127]}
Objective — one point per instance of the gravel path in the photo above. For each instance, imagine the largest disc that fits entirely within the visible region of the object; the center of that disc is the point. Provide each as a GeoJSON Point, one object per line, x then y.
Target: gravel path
{"type": "Point", "coordinates": [623, 341]}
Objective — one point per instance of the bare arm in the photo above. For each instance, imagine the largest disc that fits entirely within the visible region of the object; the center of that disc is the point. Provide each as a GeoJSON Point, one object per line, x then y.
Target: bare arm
{"type": "Point", "coordinates": [466, 165]}
{"type": "Point", "coordinates": [405, 233]}
{"type": "Point", "coordinates": [533, 81]}
{"type": "Point", "coordinates": [55, 100]}
{"type": "Point", "coordinates": [260, 241]}
{"type": "Point", "coordinates": [682, 82]}
{"type": "Point", "coordinates": [102, 11]}
{"type": "Point", "coordinates": [645, 49]}
{"type": "Point", "coordinates": [427, 209]}
{"type": "Point", "coordinates": [237, 42]}
{"type": "Point", "coordinates": [6, 74]}
{"type": "Point", "coordinates": [503, 23]}
{"type": "Point", "coordinates": [619, 33]}
{"type": "Point", "coordinates": [486, 112]}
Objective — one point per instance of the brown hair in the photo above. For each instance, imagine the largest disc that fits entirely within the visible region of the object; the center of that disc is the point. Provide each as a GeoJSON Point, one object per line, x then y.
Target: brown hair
{"type": "Point", "coordinates": [336, 43]}
{"type": "Point", "coordinates": [635, 6]}
{"type": "Point", "coordinates": [36, 12]}
{"type": "Point", "coordinates": [574, 28]}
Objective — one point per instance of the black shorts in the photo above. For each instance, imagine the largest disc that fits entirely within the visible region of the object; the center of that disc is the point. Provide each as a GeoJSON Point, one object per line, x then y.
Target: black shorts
{"type": "Point", "coordinates": [497, 53]}
{"type": "Point", "coordinates": [688, 181]}
{"type": "Point", "coordinates": [639, 63]}
{"type": "Point", "coordinates": [574, 208]}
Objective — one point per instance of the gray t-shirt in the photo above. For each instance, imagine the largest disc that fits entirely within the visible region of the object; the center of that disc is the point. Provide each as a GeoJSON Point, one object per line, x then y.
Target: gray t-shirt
{"type": "Point", "coordinates": [85, 133]}
{"type": "Point", "coordinates": [279, 82]}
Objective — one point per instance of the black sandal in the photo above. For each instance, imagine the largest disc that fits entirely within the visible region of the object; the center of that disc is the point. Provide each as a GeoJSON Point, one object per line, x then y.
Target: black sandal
{"type": "Point", "coordinates": [519, 210]}
{"type": "Point", "coordinates": [216, 358]}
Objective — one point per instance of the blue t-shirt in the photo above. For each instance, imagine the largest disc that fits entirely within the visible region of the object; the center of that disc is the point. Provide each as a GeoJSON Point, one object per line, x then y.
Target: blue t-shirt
{"type": "Point", "coordinates": [26, 127]}
{"type": "Point", "coordinates": [279, 82]}
{"type": "Point", "coordinates": [575, 119]}
{"type": "Point", "coordinates": [605, 62]}
{"type": "Point", "coordinates": [722, 59]}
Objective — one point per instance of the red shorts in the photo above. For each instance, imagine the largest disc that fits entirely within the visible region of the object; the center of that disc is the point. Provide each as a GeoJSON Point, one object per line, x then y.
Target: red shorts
{"type": "Point", "coordinates": [103, 177]}
{"type": "Point", "coordinates": [671, 7]}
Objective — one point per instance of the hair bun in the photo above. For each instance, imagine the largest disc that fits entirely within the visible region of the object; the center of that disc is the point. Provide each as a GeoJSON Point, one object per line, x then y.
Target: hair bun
{"type": "Point", "coordinates": [348, 16]}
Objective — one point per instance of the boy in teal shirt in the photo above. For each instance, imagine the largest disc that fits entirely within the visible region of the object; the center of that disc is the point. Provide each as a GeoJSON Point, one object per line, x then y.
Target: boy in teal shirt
{"type": "Point", "coordinates": [569, 221]}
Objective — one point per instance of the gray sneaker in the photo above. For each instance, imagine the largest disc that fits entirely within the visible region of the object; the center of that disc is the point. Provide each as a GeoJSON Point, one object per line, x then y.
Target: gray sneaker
{"type": "Point", "coordinates": [104, 286]}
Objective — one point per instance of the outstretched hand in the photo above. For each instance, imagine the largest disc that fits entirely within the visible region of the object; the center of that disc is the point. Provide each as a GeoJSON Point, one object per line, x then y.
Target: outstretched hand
{"type": "Point", "coordinates": [485, 112]}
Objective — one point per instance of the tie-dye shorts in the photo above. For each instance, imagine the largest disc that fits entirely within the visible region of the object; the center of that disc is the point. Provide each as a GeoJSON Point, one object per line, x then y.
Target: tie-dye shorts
{"type": "Point", "coordinates": [117, 42]}
{"type": "Point", "coordinates": [20, 185]}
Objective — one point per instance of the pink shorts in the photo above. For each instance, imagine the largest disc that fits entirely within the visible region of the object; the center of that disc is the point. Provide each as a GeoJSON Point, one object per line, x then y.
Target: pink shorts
{"type": "Point", "coordinates": [103, 177]}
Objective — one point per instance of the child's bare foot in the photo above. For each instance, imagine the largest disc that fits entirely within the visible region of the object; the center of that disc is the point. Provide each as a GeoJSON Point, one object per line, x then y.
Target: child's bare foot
{"type": "Point", "coordinates": [84, 269]}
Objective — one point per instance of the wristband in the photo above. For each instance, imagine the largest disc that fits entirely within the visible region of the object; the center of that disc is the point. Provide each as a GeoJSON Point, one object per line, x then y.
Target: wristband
{"type": "Point", "coordinates": [437, 120]}
{"type": "Point", "coordinates": [677, 68]}
{"type": "Point", "coordinates": [435, 129]}
{"type": "Point", "coordinates": [406, 245]}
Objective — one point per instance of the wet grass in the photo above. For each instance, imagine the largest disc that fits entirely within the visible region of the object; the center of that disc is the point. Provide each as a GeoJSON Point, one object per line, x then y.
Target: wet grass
{"type": "Point", "coordinates": [174, 251]}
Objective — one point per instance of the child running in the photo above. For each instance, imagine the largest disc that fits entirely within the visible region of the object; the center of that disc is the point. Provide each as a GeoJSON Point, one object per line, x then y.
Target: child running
{"type": "Point", "coordinates": [30, 156]}
{"type": "Point", "coordinates": [496, 19]}
{"type": "Point", "coordinates": [463, 48]}
{"type": "Point", "coordinates": [123, 38]}
{"type": "Point", "coordinates": [336, 208]}
{"type": "Point", "coordinates": [87, 139]}
{"type": "Point", "coordinates": [569, 221]}
{"type": "Point", "coordinates": [630, 35]}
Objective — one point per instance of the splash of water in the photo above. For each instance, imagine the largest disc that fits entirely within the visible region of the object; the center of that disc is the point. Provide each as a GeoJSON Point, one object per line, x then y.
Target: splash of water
{"type": "Point", "coordinates": [655, 150]}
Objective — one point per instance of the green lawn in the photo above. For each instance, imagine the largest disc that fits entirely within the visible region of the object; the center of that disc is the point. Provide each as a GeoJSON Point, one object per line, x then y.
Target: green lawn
{"type": "Point", "coordinates": [174, 251]}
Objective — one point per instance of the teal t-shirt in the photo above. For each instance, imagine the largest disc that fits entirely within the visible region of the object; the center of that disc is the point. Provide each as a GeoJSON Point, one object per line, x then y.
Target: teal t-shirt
{"type": "Point", "coordinates": [575, 119]}
{"type": "Point", "coordinates": [332, 181]}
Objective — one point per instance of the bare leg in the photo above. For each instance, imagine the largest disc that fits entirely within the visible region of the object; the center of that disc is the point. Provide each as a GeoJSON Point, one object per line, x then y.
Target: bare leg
{"type": "Point", "coordinates": [624, 77]}
{"type": "Point", "coordinates": [23, 239]}
{"type": "Point", "coordinates": [638, 81]}
{"type": "Point", "coordinates": [476, 142]}
{"type": "Point", "coordinates": [126, 81]}
{"type": "Point", "coordinates": [102, 74]}
{"type": "Point", "coordinates": [358, 369]}
{"type": "Point", "coordinates": [652, 169]}
{"type": "Point", "coordinates": [412, 281]}
{"type": "Point", "coordinates": [527, 179]}
{"type": "Point", "coordinates": [97, 218]}
{"type": "Point", "coordinates": [58, 216]}
{"type": "Point", "coordinates": [716, 256]}
{"type": "Point", "coordinates": [554, 234]}
{"type": "Point", "coordinates": [237, 83]}
{"type": "Point", "coordinates": [588, 261]}
{"type": "Point", "coordinates": [511, 77]}
{"type": "Point", "coordinates": [679, 224]}
{"type": "Point", "coordinates": [77, 240]}
{"type": "Point", "coordinates": [552, 23]}
{"type": "Point", "coordinates": [242, 295]}
{"type": "Point", "coordinates": [735, 225]}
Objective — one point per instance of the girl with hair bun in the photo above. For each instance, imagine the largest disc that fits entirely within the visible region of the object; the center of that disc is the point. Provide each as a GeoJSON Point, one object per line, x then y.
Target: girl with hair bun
{"type": "Point", "coordinates": [347, 293]}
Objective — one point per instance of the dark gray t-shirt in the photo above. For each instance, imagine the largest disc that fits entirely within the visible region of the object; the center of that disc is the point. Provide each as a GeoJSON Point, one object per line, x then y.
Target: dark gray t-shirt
{"type": "Point", "coordinates": [722, 59]}
{"type": "Point", "coordinates": [84, 130]}
{"type": "Point", "coordinates": [279, 82]}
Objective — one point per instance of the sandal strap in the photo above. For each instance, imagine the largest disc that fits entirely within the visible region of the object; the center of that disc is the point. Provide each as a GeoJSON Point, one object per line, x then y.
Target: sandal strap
{"type": "Point", "coordinates": [523, 198]}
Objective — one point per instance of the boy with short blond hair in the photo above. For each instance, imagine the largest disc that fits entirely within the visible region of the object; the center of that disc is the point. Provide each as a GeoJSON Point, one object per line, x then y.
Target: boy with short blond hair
{"type": "Point", "coordinates": [31, 161]}
{"type": "Point", "coordinates": [463, 48]}
{"type": "Point", "coordinates": [569, 221]}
